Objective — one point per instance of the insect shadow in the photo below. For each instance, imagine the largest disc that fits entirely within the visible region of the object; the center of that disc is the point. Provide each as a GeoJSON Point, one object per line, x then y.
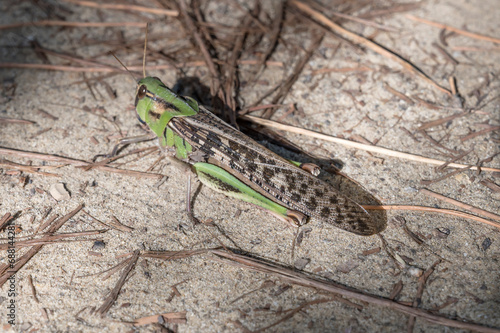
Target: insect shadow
{"type": "Point", "coordinates": [331, 168]}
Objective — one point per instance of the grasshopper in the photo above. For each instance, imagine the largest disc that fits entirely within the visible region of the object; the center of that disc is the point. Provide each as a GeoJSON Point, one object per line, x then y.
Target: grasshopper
{"type": "Point", "coordinates": [231, 163]}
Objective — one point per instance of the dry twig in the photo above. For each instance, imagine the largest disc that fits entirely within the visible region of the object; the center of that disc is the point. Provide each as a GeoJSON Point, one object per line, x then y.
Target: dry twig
{"type": "Point", "coordinates": [129, 7]}
{"type": "Point", "coordinates": [455, 30]}
{"type": "Point", "coordinates": [76, 162]}
{"type": "Point", "coordinates": [361, 146]}
{"type": "Point", "coordinates": [461, 204]}
{"type": "Point", "coordinates": [49, 23]}
{"type": "Point", "coordinates": [435, 210]}
{"type": "Point", "coordinates": [116, 290]}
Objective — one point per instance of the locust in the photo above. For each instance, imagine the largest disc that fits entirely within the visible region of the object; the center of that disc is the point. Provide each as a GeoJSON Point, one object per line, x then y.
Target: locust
{"type": "Point", "coordinates": [229, 162]}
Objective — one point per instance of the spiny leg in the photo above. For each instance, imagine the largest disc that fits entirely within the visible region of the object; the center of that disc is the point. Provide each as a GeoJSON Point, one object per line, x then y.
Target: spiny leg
{"type": "Point", "coordinates": [193, 219]}
{"type": "Point", "coordinates": [207, 223]}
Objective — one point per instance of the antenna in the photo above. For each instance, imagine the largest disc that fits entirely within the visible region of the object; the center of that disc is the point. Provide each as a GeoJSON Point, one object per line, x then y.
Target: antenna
{"type": "Point", "coordinates": [121, 63]}
{"type": "Point", "coordinates": [144, 56]}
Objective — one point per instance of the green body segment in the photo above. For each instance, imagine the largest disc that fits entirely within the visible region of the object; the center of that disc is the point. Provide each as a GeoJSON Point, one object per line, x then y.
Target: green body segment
{"type": "Point", "coordinates": [182, 147]}
{"type": "Point", "coordinates": [161, 105]}
{"type": "Point", "coordinates": [169, 138]}
{"type": "Point", "coordinates": [159, 108]}
{"type": "Point", "coordinates": [222, 181]}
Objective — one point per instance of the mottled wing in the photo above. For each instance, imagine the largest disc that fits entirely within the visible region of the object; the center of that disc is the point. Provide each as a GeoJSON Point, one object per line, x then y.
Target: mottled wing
{"type": "Point", "coordinates": [270, 174]}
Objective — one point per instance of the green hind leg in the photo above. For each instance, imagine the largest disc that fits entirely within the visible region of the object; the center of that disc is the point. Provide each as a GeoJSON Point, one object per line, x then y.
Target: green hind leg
{"type": "Point", "coordinates": [223, 182]}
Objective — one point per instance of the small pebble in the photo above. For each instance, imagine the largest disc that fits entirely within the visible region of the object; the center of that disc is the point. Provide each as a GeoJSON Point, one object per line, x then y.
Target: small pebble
{"type": "Point", "coordinates": [415, 271]}
{"type": "Point", "coordinates": [302, 263]}
{"type": "Point", "coordinates": [98, 245]}
{"type": "Point", "coordinates": [59, 192]}
{"type": "Point", "coordinates": [441, 232]}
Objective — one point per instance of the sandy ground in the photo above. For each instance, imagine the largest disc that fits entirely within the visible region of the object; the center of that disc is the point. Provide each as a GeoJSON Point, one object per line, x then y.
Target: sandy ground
{"type": "Point", "coordinates": [70, 277]}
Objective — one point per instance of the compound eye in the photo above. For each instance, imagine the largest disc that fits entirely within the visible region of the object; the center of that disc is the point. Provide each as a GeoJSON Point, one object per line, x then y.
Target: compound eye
{"type": "Point", "coordinates": [141, 92]}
